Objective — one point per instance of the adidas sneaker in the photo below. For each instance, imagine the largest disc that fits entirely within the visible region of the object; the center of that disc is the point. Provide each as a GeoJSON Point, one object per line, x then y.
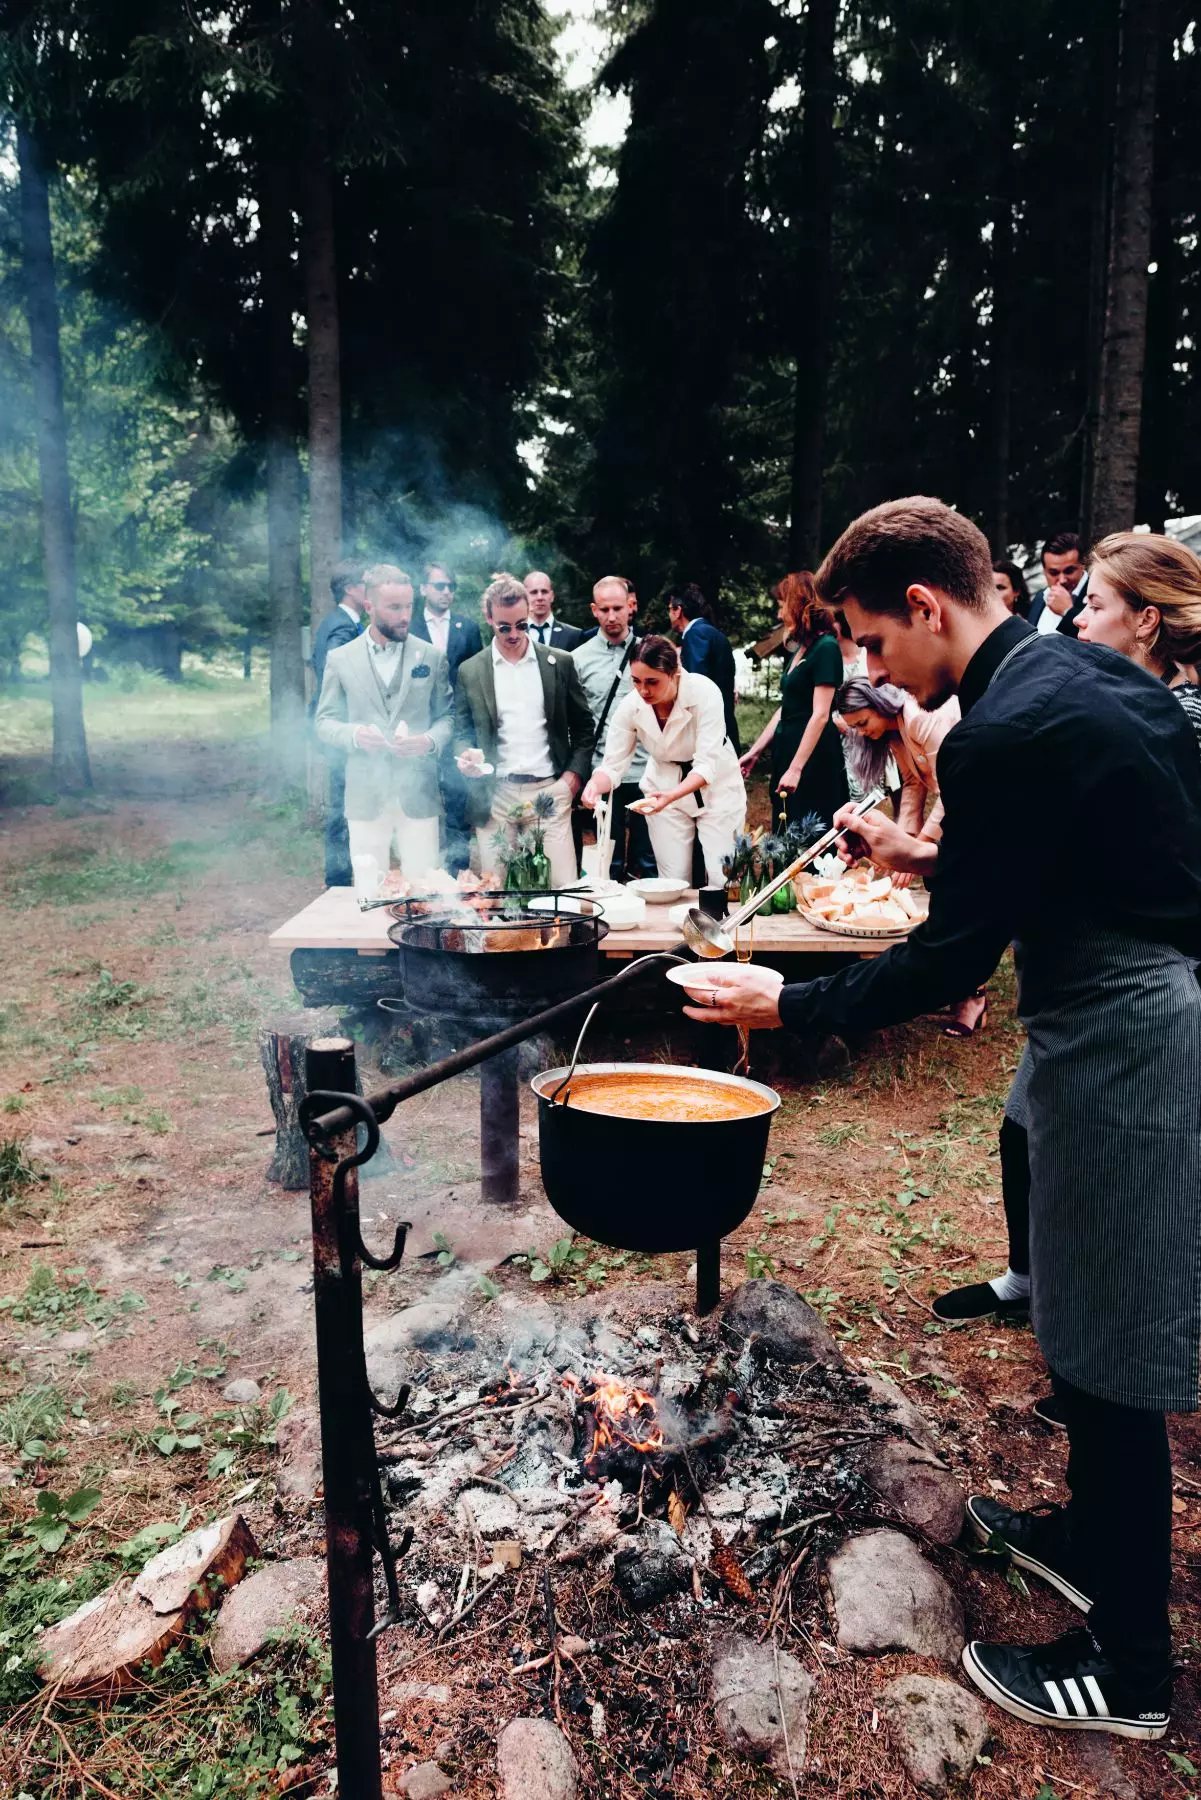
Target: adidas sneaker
{"type": "Point", "coordinates": [1069, 1684]}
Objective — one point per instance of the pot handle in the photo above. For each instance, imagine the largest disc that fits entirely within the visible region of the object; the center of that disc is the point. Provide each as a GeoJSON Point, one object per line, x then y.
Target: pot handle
{"type": "Point", "coordinates": [565, 1084]}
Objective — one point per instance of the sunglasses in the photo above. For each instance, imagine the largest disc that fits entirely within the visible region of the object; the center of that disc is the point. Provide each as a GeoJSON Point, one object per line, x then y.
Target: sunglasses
{"type": "Point", "coordinates": [508, 630]}
{"type": "Point", "coordinates": [443, 587]}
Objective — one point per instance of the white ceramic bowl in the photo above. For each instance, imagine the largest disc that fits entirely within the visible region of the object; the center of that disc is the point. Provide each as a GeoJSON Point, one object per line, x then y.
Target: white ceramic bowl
{"type": "Point", "coordinates": [658, 890]}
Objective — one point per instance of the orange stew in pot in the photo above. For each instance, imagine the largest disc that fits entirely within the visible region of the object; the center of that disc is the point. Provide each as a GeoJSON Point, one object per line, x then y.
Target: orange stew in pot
{"type": "Point", "coordinates": [672, 1098]}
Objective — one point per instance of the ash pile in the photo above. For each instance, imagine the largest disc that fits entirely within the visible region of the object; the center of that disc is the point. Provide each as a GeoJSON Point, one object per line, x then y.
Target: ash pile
{"type": "Point", "coordinates": [635, 1530]}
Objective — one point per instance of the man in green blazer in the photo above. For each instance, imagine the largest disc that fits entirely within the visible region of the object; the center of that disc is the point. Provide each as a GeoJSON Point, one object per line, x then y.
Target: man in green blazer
{"type": "Point", "coordinates": [385, 703]}
{"type": "Point", "coordinates": [522, 728]}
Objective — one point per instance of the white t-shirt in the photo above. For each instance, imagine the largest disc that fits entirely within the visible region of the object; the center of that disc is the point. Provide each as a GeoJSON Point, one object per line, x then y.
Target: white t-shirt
{"type": "Point", "coordinates": [522, 740]}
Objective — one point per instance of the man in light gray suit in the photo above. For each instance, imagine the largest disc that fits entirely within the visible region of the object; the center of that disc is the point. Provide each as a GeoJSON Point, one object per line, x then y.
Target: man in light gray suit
{"type": "Point", "coordinates": [386, 703]}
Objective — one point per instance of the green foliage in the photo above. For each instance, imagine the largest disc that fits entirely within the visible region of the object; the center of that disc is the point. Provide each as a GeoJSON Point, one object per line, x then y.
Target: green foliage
{"type": "Point", "coordinates": [18, 1171]}
{"type": "Point", "coordinates": [759, 1263]}
{"type": "Point", "coordinates": [31, 1422]}
{"type": "Point", "coordinates": [54, 1517]}
{"type": "Point", "coordinates": [47, 1301]}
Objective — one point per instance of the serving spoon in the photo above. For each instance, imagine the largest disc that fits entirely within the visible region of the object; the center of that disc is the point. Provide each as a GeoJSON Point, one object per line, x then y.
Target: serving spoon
{"type": "Point", "coordinates": [716, 937]}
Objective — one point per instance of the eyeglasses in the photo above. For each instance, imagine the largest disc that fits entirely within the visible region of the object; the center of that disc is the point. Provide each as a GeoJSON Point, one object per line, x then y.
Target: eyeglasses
{"type": "Point", "coordinates": [508, 630]}
{"type": "Point", "coordinates": [443, 587]}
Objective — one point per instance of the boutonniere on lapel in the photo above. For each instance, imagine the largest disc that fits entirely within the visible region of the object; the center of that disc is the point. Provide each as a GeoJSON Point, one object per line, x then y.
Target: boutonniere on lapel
{"type": "Point", "coordinates": [421, 669]}
{"type": "Point", "coordinates": [551, 661]}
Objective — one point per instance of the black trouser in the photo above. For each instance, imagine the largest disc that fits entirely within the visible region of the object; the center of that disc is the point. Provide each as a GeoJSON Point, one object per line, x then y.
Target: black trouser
{"type": "Point", "coordinates": [1119, 1527]}
{"type": "Point", "coordinates": [456, 832]}
{"type": "Point", "coordinates": [337, 837]}
{"type": "Point", "coordinates": [1015, 1192]}
{"type": "Point", "coordinates": [632, 853]}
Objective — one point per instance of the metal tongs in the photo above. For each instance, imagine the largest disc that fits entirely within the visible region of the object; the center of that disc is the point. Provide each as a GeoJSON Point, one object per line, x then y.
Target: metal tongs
{"type": "Point", "coordinates": [715, 937]}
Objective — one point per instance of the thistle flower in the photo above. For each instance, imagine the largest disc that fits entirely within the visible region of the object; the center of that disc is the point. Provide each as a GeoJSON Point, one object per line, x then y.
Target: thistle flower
{"type": "Point", "coordinates": [500, 843]}
{"type": "Point", "coordinates": [544, 805]}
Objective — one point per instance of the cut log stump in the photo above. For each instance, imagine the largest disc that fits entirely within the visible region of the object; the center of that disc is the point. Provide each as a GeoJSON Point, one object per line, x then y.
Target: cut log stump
{"type": "Point", "coordinates": [282, 1046]}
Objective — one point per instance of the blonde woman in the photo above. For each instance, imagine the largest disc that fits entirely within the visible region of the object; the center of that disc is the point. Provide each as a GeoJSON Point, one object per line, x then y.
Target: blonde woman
{"type": "Point", "coordinates": [1144, 601]}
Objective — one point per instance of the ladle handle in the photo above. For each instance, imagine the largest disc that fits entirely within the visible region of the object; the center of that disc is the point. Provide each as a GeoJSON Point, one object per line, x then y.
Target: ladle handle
{"type": "Point", "coordinates": [867, 804]}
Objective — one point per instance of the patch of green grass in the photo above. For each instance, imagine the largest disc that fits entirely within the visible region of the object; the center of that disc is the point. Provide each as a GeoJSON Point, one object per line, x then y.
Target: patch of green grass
{"type": "Point", "coordinates": [31, 1421]}
{"type": "Point", "coordinates": [15, 1103]}
{"type": "Point", "coordinates": [18, 1171]}
{"type": "Point", "coordinates": [49, 1301]}
{"type": "Point", "coordinates": [80, 871]}
{"type": "Point", "coordinates": [836, 1137]}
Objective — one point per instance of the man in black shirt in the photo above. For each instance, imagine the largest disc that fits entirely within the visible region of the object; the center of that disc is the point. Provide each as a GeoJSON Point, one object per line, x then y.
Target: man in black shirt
{"type": "Point", "coordinates": [1072, 790]}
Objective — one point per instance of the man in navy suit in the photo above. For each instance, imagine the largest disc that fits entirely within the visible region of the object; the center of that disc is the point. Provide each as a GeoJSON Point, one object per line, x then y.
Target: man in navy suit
{"type": "Point", "coordinates": [1058, 605]}
{"type": "Point", "coordinates": [458, 637]}
{"type": "Point", "coordinates": [545, 629]}
{"type": "Point", "coordinates": [704, 650]}
{"type": "Point", "coordinates": [339, 626]}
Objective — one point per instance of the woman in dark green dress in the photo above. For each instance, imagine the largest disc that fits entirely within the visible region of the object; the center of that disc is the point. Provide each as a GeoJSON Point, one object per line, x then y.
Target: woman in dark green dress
{"type": "Point", "coordinates": [807, 766]}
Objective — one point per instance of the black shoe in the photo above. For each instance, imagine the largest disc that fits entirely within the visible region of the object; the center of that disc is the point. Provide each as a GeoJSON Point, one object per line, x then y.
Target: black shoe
{"type": "Point", "coordinates": [1050, 1410]}
{"type": "Point", "coordinates": [978, 1302]}
{"type": "Point", "coordinates": [1034, 1541]}
{"type": "Point", "coordinates": [1070, 1684]}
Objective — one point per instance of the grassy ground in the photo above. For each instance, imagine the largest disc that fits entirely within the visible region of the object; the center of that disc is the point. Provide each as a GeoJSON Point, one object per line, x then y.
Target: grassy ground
{"type": "Point", "coordinates": [144, 1260]}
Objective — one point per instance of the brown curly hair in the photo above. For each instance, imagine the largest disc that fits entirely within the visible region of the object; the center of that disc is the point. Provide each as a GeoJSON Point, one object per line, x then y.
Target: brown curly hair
{"type": "Point", "coordinates": [808, 617]}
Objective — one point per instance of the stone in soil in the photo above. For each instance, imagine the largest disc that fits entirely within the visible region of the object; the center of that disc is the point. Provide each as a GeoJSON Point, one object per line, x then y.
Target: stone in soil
{"type": "Point", "coordinates": [646, 1577]}
{"type": "Point", "coordinates": [425, 1782]}
{"type": "Point", "coordinates": [919, 1488]}
{"type": "Point", "coordinates": [242, 1392]}
{"type": "Point", "coordinates": [431, 1327]}
{"type": "Point", "coordinates": [940, 1729]}
{"type": "Point", "coordinates": [266, 1602]}
{"type": "Point", "coordinates": [780, 1322]}
{"type": "Point", "coordinates": [907, 1419]}
{"type": "Point", "coordinates": [298, 1437]}
{"type": "Point", "coordinates": [436, 1692]}
{"type": "Point", "coordinates": [761, 1702]}
{"type": "Point", "coordinates": [535, 1762]}
{"type": "Point", "coordinates": [1097, 1756]}
{"type": "Point", "coordinates": [887, 1597]}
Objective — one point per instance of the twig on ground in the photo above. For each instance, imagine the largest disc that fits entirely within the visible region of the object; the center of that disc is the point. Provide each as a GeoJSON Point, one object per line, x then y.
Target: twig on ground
{"type": "Point", "coordinates": [775, 1650]}
{"type": "Point", "coordinates": [791, 1530]}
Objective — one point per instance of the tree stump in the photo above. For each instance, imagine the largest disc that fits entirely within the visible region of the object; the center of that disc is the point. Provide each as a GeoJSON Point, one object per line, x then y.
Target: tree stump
{"type": "Point", "coordinates": [282, 1047]}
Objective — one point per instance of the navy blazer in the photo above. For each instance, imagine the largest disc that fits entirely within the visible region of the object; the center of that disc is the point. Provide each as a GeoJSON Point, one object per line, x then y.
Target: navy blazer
{"type": "Point", "coordinates": [705, 650]}
{"type": "Point", "coordinates": [337, 627]}
{"type": "Point", "coordinates": [462, 640]}
{"type": "Point", "coordinates": [1069, 622]}
{"type": "Point", "coordinates": [562, 637]}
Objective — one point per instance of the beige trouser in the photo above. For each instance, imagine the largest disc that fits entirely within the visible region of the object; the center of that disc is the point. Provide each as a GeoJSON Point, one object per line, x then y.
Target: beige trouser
{"type": "Point", "coordinates": [556, 832]}
{"type": "Point", "coordinates": [415, 842]}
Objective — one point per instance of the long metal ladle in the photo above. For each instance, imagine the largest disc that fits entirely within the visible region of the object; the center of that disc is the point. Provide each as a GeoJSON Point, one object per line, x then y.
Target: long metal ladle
{"type": "Point", "coordinates": [715, 937]}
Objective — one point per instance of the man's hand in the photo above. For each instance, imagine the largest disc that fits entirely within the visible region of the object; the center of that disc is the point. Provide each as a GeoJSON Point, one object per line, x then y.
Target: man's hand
{"type": "Point", "coordinates": [371, 739]}
{"type": "Point", "coordinates": [1059, 598]}
{"type": "Point", "coordinates": [410, 745]}
{"type": "Point", "coordinates": [888, 846]}
{"type": "Point", "coordinates": [571, 782]}
{"type": "Point", "coordinates": [740, 994]}
{"type": "Point", "coordinates": [470, 763]}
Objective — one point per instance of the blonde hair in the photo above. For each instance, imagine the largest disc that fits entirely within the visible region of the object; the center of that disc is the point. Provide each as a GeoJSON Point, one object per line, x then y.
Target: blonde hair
{"type": "Point", "coordinates": [385, 575]}
{"type": "Point", "coordinates": [1149, 570]}
{"type": "Point", "coordinates": [502, 590]}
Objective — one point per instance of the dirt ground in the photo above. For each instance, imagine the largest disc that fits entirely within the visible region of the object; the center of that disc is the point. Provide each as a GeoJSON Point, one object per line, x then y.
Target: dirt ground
{"type": "Point", "coordinates": [145, 1260]}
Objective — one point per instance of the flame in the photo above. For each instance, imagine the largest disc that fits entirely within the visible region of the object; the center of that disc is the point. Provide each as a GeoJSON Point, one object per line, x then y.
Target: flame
{"type": "Point", "coordinates": [622, 1415]}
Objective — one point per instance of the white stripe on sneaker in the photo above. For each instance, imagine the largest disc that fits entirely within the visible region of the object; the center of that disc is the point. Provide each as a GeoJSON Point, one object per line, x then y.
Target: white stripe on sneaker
{"type": "Point", "coordinates": [1076, 1697]}
{"type": "Point", "coordinates": [1061, 1710]}
{"type": "Point", "coordinates": [1096, 1696]}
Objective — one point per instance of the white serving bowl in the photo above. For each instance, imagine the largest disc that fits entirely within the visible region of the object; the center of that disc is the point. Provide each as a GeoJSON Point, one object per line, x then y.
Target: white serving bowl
{"type": "Point", "coordinates": [658, 890]}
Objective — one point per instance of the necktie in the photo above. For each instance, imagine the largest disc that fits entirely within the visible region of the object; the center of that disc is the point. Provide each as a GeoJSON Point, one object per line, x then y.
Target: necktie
{"type": "Point", "coordinates": [542, 631]}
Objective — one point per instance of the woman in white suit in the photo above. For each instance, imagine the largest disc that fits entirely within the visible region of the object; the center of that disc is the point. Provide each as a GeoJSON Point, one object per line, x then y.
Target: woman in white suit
{"type": "Point", "coordinates": [693, 785]}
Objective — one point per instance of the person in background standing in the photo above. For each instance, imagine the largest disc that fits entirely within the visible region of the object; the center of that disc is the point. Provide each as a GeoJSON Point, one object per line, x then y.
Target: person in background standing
{"type": "Point", "coordinates": [1010, 583]}
{"type": "Point", "coordinates": [808, 770]}
{"type": "Point", "coordinates": [1144, 600]}
{"type": "Point", "coordinates": [458, 637]}
{"type": "Point", "coordinates": [704, 650]}
{"type": "Point", "coordinates": [603, 665]}
{"type": "Point", "coordinates": [521, 709]}
{"type": "Point", "coordinates": [337, 627]}
{"type": "Point", "coordinates": [1057, 606]}
{"type": "Point", "coordinates": [385, 704]}
{"type": "Point", "coordinates": [545, 629]}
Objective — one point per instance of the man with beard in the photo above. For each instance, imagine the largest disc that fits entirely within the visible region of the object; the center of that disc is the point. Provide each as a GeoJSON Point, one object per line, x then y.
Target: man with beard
{"type": "Point", "coordinates": [1058, 740]}
{"type": "Point", "coordinates": [458, 637]}
{"type": "Point", "coordinates": [385, 702]}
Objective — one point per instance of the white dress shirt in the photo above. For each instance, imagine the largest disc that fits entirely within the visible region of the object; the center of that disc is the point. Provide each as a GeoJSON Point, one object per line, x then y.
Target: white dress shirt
{"type": "Point", "coordinates": [522, 740]}
{"type": "Point", "coordinates": [542, 632]}
{"type": "Point", "coordinates": [385, 657]}
{"type": "Point", "coordinates": [1048, 620]}
{"type": "Point", "coordinates": [437, 625]}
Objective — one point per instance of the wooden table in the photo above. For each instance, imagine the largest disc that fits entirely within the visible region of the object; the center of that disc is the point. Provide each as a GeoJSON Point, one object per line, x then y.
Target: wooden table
{"type": "Point", "coordinates": [342, 954]}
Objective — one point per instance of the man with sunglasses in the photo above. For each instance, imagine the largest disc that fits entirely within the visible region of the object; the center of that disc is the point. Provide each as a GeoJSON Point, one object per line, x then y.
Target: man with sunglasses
{"type": "Point", "coordinates": [458, 637]}
{"type": "Point", "coordinates": [522, 728]}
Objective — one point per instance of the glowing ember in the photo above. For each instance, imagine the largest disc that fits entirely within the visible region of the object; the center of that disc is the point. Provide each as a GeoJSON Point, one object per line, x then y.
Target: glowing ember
{"type": "Point", "coordinates": [622, 1417]}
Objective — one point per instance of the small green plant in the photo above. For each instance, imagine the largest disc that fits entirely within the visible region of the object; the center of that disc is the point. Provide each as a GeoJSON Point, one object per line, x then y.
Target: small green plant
{"type": "Point", "coordinates": [564, 1258]}
{"type": "Point", "coordinates": [254, 1428]}
{"type": "Point", "coordinates": [14, 1103]}
{"type": "Point", "coordinates": [54, 1517]}
{"type": "Point", "coordinates": [836, 1137]}
{"type": "Point", "coordinates": [760, 1265]}
{"type": "Point", "coordinates": [486, 1287]}
{"type": "Point", "coordinates": [47, 1302]}
{"type": "Point", "coordinates": [447, 1256]}
{"type": "Point", "coordinates": [18, 1171]}
{"type": "Point", "coordinates": [32, 1421]}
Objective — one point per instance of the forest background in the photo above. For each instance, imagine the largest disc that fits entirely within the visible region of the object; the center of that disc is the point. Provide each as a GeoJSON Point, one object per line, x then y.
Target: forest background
{"type": "Point", "coordinates": [283, 279]}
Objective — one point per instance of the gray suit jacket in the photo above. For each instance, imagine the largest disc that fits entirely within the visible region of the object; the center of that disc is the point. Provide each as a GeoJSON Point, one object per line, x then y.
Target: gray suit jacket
{"type": "Point", "coordinates": [351, 696]}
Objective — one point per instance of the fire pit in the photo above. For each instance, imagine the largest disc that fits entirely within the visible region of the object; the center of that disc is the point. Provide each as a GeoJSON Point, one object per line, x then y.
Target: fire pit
{"type": "Point", "coordinates": [495, 971]}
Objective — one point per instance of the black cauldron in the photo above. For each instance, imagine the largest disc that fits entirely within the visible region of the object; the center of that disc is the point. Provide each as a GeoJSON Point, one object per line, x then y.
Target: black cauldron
{"type": "Point", "coordinates": [658, 1184]}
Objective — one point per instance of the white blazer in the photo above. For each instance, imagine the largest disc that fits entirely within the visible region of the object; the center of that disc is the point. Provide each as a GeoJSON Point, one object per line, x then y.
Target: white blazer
{"type": "Point", "coordinates": [695, 733]}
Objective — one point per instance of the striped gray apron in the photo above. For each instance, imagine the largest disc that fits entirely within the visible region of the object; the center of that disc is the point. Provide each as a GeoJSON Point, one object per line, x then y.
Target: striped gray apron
{"type": "Point", "coordinates": [1112, 1076]}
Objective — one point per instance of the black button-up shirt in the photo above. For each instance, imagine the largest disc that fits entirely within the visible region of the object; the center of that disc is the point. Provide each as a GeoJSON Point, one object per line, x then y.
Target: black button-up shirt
{"type": "Point", "coordinates": [1072, 788]}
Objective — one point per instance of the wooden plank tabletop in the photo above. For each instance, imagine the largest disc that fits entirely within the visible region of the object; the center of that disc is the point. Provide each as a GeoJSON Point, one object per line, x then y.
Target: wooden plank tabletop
{"type": "Point", "coordinates": [333, 922]}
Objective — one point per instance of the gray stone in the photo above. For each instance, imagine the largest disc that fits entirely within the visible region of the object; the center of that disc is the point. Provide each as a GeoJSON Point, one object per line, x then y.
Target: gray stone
{"type": "Point", "coordinates": [436, 1692]}
{"type": "Point", "coordinates": [1096, 1756]}
{"type": "Point", "coordinates": [776, 1317]}
{"type": "Point", "coordinates": [265, 1603]}
{"type": "Point", "coordinates": [918, 1486]}
{"type": "Point", "coordinates": [887, 1597]}
{"type": "Point", "coordinates": [425, 1782]}
{"type": "Point", "coordinates": [242, 1392]}
{"type": "Point", "coordinates": [940, 1729]}
{"type": "Point", "coordinates": [535, 1762]}
{"type": "Point", "coordinates": [907, 1419]}
{"type": "Point", "coordinates": [570, 1350]}
{"type": "Point", "coordinates": [74, 1340]}
{"type": "Point", "coordinates": [645, 1577]}
{"type": "Point", "coordinates": [761, 1700]}
{"type": "Point", "coordinates": [298, 1437]}
{"type": "Point", "coordinates": [430, 1325]}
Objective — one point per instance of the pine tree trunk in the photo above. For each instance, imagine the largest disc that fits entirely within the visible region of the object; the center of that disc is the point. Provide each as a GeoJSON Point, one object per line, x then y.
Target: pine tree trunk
{"type": "Point", "coordinates": [70, 755]}
{"type": "Point", "coordinates": [283, 481]}
{"type": "Point", "coordinates": [1123, 351]}
{"type": "Point", "coordinates": [321, 311]}
{"type": "Point", "coordinates": [1004, 301]}
{"type": "Point", "coordinates": [814, 286]}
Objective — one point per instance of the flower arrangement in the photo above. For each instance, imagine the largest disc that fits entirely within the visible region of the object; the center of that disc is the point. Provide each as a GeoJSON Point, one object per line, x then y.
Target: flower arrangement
{"type": "Point", "coordinates": [520, 845]}
{"type": "Point", "coordinates": [759, 856]}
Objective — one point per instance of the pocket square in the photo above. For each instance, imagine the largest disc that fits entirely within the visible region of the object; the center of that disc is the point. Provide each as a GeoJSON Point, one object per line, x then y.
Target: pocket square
{"type": "Point", "coordinates": [420, 670]}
